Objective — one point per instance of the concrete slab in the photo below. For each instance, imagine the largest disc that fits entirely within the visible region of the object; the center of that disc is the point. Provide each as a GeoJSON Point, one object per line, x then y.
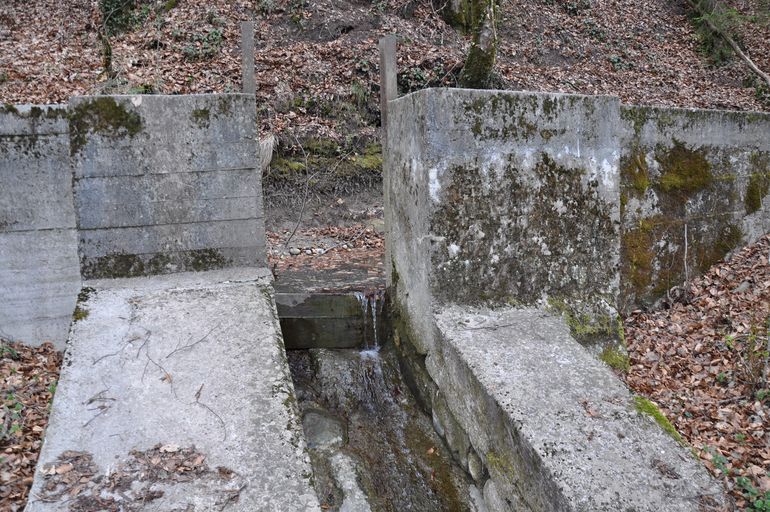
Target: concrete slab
{"type": "Point", "coordinates": [175, 394]}
{"type": "Point", "coordinates": [556, 429]}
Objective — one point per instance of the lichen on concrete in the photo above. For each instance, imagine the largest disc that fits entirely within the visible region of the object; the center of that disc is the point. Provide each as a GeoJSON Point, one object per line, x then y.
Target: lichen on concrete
{"type": "Point", "coordinates": [102, 115]}
{"type": "Point", "coordinates": [201, 117]}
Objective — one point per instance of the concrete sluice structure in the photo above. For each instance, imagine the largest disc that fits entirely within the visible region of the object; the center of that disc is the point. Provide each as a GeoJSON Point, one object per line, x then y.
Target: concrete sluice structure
{"type": "Point", "coordinates": [518, 227]}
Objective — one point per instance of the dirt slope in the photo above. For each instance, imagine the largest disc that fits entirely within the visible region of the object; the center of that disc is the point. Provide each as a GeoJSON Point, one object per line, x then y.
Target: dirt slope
{"type": "Point", "coordinates": [645, 51]}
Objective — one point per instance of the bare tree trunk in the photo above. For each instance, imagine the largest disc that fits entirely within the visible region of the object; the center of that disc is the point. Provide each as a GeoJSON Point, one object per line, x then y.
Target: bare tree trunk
{"type": "Point", "coordinates": [480, 61]}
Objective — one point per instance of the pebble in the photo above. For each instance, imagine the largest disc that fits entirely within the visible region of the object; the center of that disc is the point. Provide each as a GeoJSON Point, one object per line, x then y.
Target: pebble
{"type": "Point", "coordinates": [294, 251]}
{"type": "Point", "coordinates": [308, 251]}
{"type": "Point", "coordinates": [319, 250]}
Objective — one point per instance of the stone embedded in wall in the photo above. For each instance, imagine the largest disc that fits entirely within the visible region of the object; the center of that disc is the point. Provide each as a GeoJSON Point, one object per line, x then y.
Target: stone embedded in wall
{"type": "Point", "coordinates": [39, 271]}
{"type": "Point", "coordinates": [166, 183]}
{"type": "Point", "coordinates": [699, 173]}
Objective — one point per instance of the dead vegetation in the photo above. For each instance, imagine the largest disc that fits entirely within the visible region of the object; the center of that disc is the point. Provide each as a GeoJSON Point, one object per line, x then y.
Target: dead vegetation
{"type": "Point", "coordinates": [704, 361]}
{"type": "Point", "coordinates": [28, 376]}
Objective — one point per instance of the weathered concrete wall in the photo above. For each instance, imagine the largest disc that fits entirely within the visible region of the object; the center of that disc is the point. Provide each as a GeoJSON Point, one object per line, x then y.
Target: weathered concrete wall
{"type": "Point", "coordinates": [166, 183]}
{"type": "Point", "coordinates": [39, 270]}
{"type": "Point", "coordinates": [553, 428]}
{"type": "Point", "coordinates": [117, 187]}
{"type": "Point", "coordinates": [506, 198]}
{"type": "Point", "coordinates": [501, 198]}
{"type": "Point", "coordinates": [699, 172]}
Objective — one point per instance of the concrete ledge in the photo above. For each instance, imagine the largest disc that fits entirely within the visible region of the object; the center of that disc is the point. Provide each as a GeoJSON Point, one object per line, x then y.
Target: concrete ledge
{"type": "Point", "coordinates": [188, 363]}
{"type": "Point", "coordinates": [552, 425]}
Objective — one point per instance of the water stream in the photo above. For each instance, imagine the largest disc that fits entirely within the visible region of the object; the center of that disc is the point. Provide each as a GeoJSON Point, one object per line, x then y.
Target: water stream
{"type": "Point", "coordinates": [371, 445]}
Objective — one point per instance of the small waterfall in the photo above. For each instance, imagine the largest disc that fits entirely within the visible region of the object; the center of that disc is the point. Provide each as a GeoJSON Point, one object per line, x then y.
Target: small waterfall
{"type": "Point", "coordinates": [371, 306]}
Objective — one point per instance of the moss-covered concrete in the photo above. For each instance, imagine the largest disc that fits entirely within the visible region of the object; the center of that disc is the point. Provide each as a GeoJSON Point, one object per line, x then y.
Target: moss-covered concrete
{"type": "Point", "coordinates": [103, 115]}
{"type": "Point", "coordinates": [121, 264]}
{"type": "Point", "coordinates": [568, 223]}
{"type": "Point", "coordinates": [688, 180]}
{"type": "Point", "coordinates": [645, 406]}
{"type": "Point", "coordinates": [685, 170]}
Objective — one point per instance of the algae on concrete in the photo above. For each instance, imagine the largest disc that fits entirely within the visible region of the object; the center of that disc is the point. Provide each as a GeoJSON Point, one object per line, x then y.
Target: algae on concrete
{"type": "Point", "coordinates": [102, 115]}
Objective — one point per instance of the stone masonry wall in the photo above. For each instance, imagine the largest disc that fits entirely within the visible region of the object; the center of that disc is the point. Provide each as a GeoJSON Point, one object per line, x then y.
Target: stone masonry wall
{"type": "Point", "coordinates": [120, 186]}
{"type": "Point", "coordinates": [39, 270]}
{"type": "Point", "coordinates": [699, 172]}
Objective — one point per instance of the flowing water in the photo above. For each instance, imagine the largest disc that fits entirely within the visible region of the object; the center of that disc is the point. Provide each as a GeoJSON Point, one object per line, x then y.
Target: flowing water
{"type": "Point", "coordinates": [372, 447]}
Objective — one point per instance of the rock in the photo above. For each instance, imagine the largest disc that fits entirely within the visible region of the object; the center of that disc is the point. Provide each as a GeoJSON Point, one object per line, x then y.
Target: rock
{"type": "Point", "coordinates": [454, 434]}
{"type": "Point", "coordinates": [323, 430]}
{"type": "Point", "coordinates": [294, 251]}
{"type": "Point", "coordinates": [492, 498]}
{"type": "Point", "coordinates": [744, 286]}
{"type": "Point", "coordinates": [308, 252]}
{"type": "Point", "coordinates": [344, 469]}
{"type": "Point", "coordinates": [437, 423]}
{"type": "Point", "coordinates": [319, 250]}
{"type": "Point", "coordinates": [475, 466]}
{"type": "Point", "coordinates": [477, 500]}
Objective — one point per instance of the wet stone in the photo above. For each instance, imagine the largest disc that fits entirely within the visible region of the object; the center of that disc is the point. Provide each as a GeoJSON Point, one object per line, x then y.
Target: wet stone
{"type": "Point", "coordinates": [475, 466]}
{"type": "Point", "coordinates": [323, 430]}
{"type": "Point", "coordinates": [346, 475]}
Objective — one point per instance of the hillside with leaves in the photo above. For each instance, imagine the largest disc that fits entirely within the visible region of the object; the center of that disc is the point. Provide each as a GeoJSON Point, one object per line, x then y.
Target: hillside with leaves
{"type": "Point", "coordinates": [315, 56]}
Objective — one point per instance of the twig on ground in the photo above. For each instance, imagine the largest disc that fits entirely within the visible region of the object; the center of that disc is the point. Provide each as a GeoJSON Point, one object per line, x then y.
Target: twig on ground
{"type": "Point", "coordinates": [198, 402]}
{"type": "Point", "coordinates": [191, 345]}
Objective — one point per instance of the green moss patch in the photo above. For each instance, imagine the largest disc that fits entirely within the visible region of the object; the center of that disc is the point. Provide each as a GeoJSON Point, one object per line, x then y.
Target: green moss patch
{"type": "Point", "coordinates": [615, 359]}
{"type": "Point", "coordinates": [759, 182]}
{"type": "Point", "coordinates": [325, 165]}
{"type": "Point", "coordinates": [645, 406]}
{"type": "Point", "coordinates": [685, 171]}
{"type": "Point", "coordinates": [637, 251]}
{"type": "Point", "coordinates": [81, 312]}
{"type": "Point", "coordinates": [635, 174]}
{"type": "Point", "coordinates": [102, 115]}
{"type": "Point", "coordinates": [205, 259]}
{"type": "Point", "coordinates": [499, 464]}
{"type": "Point", "coordinates": [586, 328]}
{"type": "Point", "coordinates": [201, 117]}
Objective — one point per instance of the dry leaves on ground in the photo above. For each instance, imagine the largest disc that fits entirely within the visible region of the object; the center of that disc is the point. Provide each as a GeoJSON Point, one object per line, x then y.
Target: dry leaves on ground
{"type": "Point", "coordinates": [704, 361]}
{"type": "Point", "coordinates": [28, 376]}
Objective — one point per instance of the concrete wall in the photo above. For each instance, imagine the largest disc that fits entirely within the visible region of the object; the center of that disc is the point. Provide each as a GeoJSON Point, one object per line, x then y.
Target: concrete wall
{"type": "Point", "coordinates": [499, 199]}
{"type": "Point", "coordinates": [166, 184]}
{"type": "Point", "coordinates": [121, 186]}
{"type": "Point", "coordinates": [706, 173]}
{"type": "Point", "coordinates": [39, 270]}
{"type": "Point", "coordinates": [506, 198]}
